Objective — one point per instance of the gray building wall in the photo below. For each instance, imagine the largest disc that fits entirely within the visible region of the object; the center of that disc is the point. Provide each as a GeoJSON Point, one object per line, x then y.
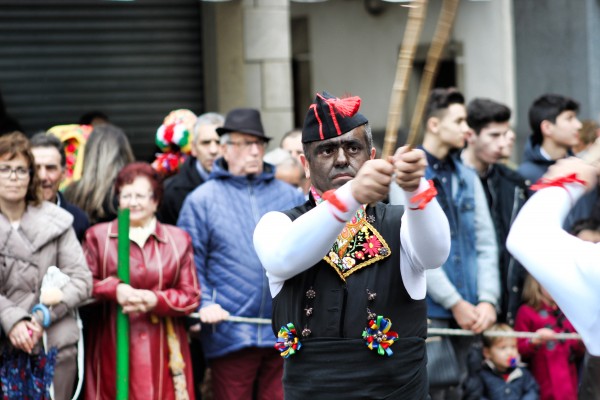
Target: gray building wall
{"type": "Point", "coordinates": [353, 51]}
{"type": "Point", "coordinates": [557, 51]}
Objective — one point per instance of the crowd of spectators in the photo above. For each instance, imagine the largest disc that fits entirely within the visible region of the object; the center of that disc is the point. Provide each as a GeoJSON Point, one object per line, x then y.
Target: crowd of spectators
{"type": "Point", "coordinates": [192, 250]}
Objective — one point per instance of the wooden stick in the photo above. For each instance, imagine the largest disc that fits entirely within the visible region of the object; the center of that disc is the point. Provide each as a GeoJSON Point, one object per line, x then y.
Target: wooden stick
{"type": "Point", "coordinates": [440, 38]}
{"type": "Point", "coordinates": [410, 40]}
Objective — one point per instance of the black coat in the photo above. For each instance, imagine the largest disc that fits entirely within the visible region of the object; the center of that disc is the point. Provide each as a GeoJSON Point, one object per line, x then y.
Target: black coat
{"type": "Point", "coordinates": [80, 219]}
{"type": "Point", "coordinates": [177, 188]}
{"type": "Point", "coordinates": [507, 192]}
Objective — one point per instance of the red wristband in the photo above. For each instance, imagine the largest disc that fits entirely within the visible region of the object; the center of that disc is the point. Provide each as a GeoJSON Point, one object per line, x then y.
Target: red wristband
{"type": "Point", "coordinates": [424, 197]}
{"type": "Point", "coordinates": [331, 197]}
{"type": "Point", "coordinates": [560, 182]}
{"type": "Point", "coordinates": [557, 182]}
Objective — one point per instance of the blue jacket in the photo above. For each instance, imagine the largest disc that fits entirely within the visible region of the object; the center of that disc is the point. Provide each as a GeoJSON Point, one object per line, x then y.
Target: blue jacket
{"type": "Point", "coordinates": [471, 271]}
{"type": "Point", "coordinates": [220, 216]}
{"type": "Point", "coordinates": [534, 164]}
{"type": "Point", "coordinates": [520, 385]}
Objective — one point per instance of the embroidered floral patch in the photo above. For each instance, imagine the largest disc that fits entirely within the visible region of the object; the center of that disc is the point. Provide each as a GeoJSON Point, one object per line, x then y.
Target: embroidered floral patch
{"type": "Point", "coordinates": [358, 246]}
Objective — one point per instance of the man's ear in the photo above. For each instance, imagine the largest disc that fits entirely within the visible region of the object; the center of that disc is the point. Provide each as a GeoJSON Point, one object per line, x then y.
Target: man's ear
{"type": "Point", "coordinates": [432, 125]}
{"type": "Point", "coordinates": [546, 127]}
{"type": "Point", "coordinates": [193, 148]}
{"type": "Point", "coordinates": [373, 153]}
{"type": "Point", "coordinates": [305, 165]}
{"type": "Point", "coordinates": [471, 136]}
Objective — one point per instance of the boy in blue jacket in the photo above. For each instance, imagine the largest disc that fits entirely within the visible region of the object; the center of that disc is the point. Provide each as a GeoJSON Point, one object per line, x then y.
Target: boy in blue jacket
{"type": "Point", "coordinates": [500, 376]}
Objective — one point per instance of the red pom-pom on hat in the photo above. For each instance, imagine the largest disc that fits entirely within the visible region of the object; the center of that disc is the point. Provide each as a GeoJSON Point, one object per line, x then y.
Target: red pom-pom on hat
{"type": "Point", "coordinates": [346, 107]}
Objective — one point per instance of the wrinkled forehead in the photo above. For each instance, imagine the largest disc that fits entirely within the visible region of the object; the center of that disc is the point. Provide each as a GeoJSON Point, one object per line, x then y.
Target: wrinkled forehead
{"type": "Point", "coordinates": [46, 154]}
{"type": "Point", "coordinates": [356, 135]}
{"type": "Point", "coordinates": [207, 132]}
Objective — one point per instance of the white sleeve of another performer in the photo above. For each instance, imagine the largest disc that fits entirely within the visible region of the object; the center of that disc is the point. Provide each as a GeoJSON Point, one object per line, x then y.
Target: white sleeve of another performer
{"type": "Point", "coordinates": [566, 266]}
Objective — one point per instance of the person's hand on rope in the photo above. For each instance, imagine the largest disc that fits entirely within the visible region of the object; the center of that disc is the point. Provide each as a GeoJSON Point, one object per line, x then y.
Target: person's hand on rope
{"type": "Point", "coordinates": [465, 314]}
{"type": "Point", "coordinates": [409, 167]}
{"type": "Point", "coordinates": [486, 317]}
{"type": "Point", "coordinates": [213, 314]}
{"type": "Point", "coordinates": [545, 334]}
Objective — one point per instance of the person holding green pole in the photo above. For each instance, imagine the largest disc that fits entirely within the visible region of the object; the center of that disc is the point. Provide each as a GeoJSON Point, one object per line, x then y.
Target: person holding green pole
{"type": "Point", "coordinates": [163, 288]}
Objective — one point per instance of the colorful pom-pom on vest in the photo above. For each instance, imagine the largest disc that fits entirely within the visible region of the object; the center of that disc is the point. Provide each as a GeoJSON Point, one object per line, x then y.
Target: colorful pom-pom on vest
{"type": "Point", "coordinates": [287, 341]}
{"type": "Point", "coordinates": [379, 337]}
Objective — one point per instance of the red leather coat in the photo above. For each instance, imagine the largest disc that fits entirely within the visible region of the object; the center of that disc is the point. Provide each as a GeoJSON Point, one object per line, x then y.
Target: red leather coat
{"type": "Point", "coordinates": [164, 265]}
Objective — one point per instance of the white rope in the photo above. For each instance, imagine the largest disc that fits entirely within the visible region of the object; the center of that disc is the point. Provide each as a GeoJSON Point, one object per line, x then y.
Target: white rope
{"type": "Point", "coordinates": [430, 331]}
{"type": "Point", "coordinates": [233, 318]}
{"type": "Point", "coordinates": [514, 334]}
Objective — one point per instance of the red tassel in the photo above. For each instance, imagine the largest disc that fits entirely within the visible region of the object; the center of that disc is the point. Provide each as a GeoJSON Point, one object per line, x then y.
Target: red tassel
{"type": "Point", "coordinates": [346, 107]}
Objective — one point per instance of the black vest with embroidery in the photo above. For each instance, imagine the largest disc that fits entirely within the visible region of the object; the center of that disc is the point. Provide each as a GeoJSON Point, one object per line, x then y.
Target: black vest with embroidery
{"type": "Point", "coordinates": [339, 306]}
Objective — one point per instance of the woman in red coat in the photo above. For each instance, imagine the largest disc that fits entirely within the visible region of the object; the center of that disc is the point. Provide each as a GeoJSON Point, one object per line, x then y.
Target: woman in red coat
{"type": "Point", "coordinates": [163, 286]}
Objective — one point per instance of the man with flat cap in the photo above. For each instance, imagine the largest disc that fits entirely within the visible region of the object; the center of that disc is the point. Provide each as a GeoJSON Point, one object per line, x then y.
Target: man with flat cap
{"type": "Point", "coordinates": [220, 216]}
{"type": "Point", "coordinates": [347, 272]}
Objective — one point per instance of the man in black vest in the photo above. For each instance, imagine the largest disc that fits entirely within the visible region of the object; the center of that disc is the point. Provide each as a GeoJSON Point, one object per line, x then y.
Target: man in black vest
{"type": "Point", "coordinates": [344, 267]}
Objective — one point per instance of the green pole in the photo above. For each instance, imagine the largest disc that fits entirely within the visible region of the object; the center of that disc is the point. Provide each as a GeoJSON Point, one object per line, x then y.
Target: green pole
{"type": "Point", "coordinates": [122, 319]}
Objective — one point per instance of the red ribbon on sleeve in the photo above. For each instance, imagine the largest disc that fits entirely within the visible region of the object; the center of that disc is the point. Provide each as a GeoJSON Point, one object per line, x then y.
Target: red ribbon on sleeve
{"type": "Point", "coordinates": [557, 182]}
{"type": "Point", "coordinates": [334, 201]}
{"type": "Point", "coordinates": [424, 197]}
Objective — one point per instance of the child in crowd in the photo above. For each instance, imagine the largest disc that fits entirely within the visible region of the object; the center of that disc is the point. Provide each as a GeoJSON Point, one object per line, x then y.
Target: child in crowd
{"type": "Point", "coordinates": [499, 376]}
{"type": "Point", "coordinates": [552, 362]}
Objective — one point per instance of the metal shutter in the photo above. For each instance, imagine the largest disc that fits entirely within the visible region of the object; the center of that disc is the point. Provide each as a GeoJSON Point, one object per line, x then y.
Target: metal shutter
{"type": "Point", "coordinates": [135, 61]}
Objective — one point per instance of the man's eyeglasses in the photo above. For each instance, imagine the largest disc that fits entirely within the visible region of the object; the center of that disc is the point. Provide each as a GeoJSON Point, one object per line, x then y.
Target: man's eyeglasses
{"type": "Point", "coordinates": [246, 144]}
{"type": "Point", "coordinates": [137, 196]}
{"type": "Point", "coordinates": [20, 172]}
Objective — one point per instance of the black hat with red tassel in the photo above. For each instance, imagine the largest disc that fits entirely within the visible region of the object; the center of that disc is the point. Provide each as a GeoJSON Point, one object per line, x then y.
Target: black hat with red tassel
{"type": "Point", "coordinates": [330, 117]}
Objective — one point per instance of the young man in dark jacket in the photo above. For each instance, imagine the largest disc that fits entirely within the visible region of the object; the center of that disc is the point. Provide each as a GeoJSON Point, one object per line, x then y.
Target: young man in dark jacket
{"type": "Point", "coordinates": [505, 189]}
{"type": "Point", "coordinates": [555, 129]}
